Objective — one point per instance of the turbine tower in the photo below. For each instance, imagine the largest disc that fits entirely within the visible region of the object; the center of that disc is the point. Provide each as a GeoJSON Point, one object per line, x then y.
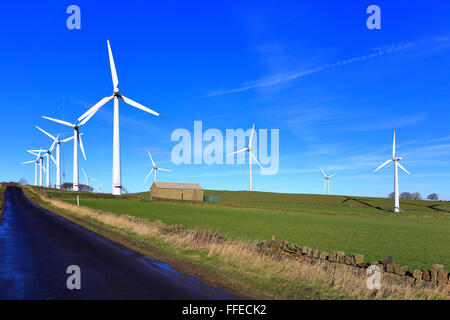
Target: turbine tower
{"type": "Point", "coordinates": [155, 168]}
{"type": "Point", "coordinates": [396, 165]}
{"type": "Point", "coordinates": [58, 155]}
{"type": "Point", "coordinates": [327, 181]}
{"type": "Point", "coordinates": [76, 140]}
{"type": "Point", "coordinates": [117, 173]}
{"type": "Point", "coordinates": [251, 155]}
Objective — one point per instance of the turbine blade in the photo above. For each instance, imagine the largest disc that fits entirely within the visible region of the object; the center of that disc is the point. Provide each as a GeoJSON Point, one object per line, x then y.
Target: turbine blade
{"type": "Point", "coordinates": [148, 175]}
{"type": "Point", "coordinates": [332, 175]}
{"type": "Point", "coordinates": [33, 153]}
{"type": "Point", "coordinates": [53, 144]}
{"type": "Point", "coordinates": [324, 174]}
{"type": "Point", "coordinates": [45, 132]}
{"type": "Point", "coordinates": [85, 175]}
{"type": "Point", "coordinates": [251, 136]}
{"type": "Point", "coordinates": [402, 167]}
{"type": "Point", "coordinates": [239, 151]}
{"type": "Point", "coordinates": [28, 162]}
{"type": "Point", "coordinates": [81, 145]}
{"type": "Point", "coordinates": [393, 147]}
{"type": "Point", "coordinates": [140, 106]}
{"type": "Point", "coordinates": [53, 159]}
{"type": "Point", "coordinates": [113, 67]}
{"type": "Point", "coordinates": [59, 121]}
{"type": "Point", "coordinates": [153, 162]}
{"type": "Point", "coordinates": [39, 150]}
{"type": "Point", "coordinates": [254, 157]}
{"type": "Point", "coordinates": [96, 107]}
{"type": "Point", "coordinates": [385, 163]}
{"type": "Point", "coordinates": [68, 139]}
{"type": "Point", "coordinates": [164, 169]}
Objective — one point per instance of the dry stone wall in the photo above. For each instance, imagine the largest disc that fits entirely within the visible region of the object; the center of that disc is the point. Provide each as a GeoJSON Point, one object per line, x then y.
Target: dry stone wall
{"type": "Point", "coordinates": [436, 277]}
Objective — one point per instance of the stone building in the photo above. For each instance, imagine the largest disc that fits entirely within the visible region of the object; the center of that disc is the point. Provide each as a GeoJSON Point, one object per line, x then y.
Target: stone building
{"type": "Point", "coordinates": [176, 191]}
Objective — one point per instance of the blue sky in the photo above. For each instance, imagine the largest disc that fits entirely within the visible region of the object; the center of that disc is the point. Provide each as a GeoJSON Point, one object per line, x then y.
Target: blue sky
{"type": "Point", "coordinates": [334, 89]}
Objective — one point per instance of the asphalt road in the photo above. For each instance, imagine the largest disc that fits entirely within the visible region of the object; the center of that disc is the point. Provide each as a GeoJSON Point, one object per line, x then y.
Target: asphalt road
{"type": "Point", "coordinates": [37, 246]}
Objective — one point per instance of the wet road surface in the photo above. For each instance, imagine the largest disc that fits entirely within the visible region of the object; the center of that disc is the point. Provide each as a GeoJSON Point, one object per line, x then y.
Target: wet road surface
{"type": "Point", "coordinates": [37, 246]}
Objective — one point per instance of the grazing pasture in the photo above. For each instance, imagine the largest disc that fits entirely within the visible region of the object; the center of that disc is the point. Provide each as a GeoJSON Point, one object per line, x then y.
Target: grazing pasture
{"type": "Point", "coordinates": [417, 237]}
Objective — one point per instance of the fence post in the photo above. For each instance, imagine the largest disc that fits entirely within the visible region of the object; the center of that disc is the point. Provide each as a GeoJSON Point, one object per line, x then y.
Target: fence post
{"type": "Point", "coordinates": [78, 200]}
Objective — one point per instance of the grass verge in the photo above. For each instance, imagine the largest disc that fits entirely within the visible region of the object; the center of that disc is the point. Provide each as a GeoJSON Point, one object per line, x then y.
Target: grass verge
{"type": "Point", "coordinates": [236, 265]}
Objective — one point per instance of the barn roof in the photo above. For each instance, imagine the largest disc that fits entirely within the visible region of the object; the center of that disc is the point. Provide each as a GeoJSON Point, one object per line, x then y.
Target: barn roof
{"type": "Point", "coordinates": [177, 185]}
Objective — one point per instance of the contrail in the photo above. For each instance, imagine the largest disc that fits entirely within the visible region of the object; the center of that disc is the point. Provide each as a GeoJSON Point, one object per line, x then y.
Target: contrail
{"type": "Point", "coordinates": [289, 77]}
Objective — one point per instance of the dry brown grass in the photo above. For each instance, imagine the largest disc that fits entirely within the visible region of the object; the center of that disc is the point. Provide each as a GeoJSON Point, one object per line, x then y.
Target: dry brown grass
{"type": "Point", "coordinates": [245, 258]}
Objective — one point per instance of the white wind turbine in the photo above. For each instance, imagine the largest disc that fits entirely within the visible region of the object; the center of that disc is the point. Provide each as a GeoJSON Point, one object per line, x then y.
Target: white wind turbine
{"type": "Point", "coordinates": [251, 155]}
{"type": "Point", "coordinates": [58, 155]}
{"type": "Point", "coordinates": [36, 164]}
{"type": "Point", "coordinates": [100, 187]}
{"type": "Point", "coordinates": [87, 179]}
{"type": "Point", "coordinates": [40, 160]}
{"type": "Point", "coordinates": [154, 168]}
{"type": "Point", "coordinates": [117, 173]}
{"type": "Point", "coordinates": [396, 163]}
{"type": "Point", "coordinates": [76, 140]}
{"type": "Point", "coordinates": [327, 181]}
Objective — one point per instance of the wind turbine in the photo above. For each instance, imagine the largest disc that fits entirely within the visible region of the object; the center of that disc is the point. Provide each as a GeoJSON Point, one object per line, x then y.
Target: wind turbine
{"type": "Point", "coordinates": [396, 165]}
{"type": "Point", "coordinates": [40, 162]}
{"type": "Point", "coordinates": [36, 163]}
{"type": "Point", "coordinates": [327, 181]}
{"type": "Point", "coordinates": [251, 155]}
{"type": "Point", "coordinates": [86, 181]}
{"type": "Point", "coordinates": [76, 140]}
{"type": "Point", "coordinates": [100, 187]}
{"type": "Point", "coordinates": [155, 168]}
{"type": "Point", "coordinates": [58, 155]}
{"type": "Point", "coordinates": [117, 173]}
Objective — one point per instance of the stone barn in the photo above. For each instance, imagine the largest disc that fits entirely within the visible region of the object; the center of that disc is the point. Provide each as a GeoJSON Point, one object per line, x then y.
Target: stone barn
{"type": "Point", "coordinates": [176, 191]}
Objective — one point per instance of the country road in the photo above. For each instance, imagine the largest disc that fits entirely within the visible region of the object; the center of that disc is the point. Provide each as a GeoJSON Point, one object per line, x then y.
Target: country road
{"type": "Point", "coordinates": [37, 246]}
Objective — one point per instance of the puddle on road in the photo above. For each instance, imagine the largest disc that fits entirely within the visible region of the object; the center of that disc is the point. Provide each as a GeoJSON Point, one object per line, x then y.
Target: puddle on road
{"type": "Point", "coordinates": [187, 280]}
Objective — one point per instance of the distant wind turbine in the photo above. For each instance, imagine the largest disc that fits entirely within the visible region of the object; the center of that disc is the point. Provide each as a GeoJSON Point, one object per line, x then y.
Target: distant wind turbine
{"type": "Point", "coordinates": [117, 173]}
{"type": "Point", "coordinates": [251, 155]}
{"type": "Point", "coordinates": [41, 163]}
{"type": "Point", "coordinates": [154, 168]}
{"type": "Point", "coordinates": [58, 154]}
{"type": "Point", "coordinates": [36, 164]}
{"type": "Point", "coordinates": [100, 187]}
{"type": "Point", "coordinates": [87, 179]}
{"type": "Point", "coordinates": [327, 181]}
{"type": "Point", "coordinates": [76, 140]}
{"type": "Point", "coordinates": [396, 165]}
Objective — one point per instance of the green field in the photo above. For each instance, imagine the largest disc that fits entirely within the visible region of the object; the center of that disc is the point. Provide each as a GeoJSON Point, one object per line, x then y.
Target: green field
{"type": "Point", "coordinates": [417, 237]}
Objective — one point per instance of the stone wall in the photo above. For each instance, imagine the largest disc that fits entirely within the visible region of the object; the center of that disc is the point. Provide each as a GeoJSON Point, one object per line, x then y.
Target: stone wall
{"type": "Point", "coordinates": [436, 277]}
